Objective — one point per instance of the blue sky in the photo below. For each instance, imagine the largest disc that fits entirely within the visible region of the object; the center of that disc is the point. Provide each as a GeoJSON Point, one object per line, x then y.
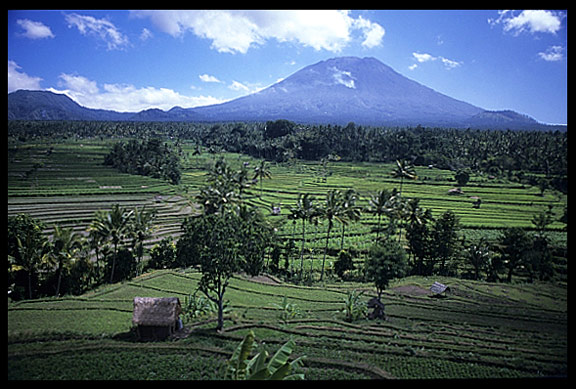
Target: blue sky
{"type": "Point", "coordinates": [134, 60]}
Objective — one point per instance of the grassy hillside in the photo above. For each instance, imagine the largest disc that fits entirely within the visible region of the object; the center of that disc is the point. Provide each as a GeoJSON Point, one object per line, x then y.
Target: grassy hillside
{"type": "Point", "coordinates": [64, 182]}
{"type": "Point", "coordinates": [481, 330]}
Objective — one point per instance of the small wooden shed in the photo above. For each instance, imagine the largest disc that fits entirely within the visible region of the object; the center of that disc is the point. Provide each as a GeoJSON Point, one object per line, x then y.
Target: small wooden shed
{"type": "Point", "coordinates": [439, 289]}
{"type": "Point", "coordinates": [156, 318]}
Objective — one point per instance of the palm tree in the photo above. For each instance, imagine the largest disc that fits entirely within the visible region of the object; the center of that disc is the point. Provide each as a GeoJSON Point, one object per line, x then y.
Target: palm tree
{"type": "Point", "coordinates": [352, 212]}
{"type": "Point", "coordinates": [332, 210]}
{"type": "Point", "coordinates": [65, 244]}
{"type": "Point", "coordinates": [32, 253]}
{"type": "Point", "coordinates": [142, 229]}
{"type": "Point", "coordinates": [96, 238]}
{"type": "Point", "coordinates": [404, 169]}
{"type": "Point", "coordinates": [379, 204]}
{"type": "Point", "coordinates": [241, 181]}
{"type": "Point", "coordinates": [261, 172]}
{"type": "Point", "coordinates": [113, 225]}
{"type": "Point", "coordinates": [304, 209]}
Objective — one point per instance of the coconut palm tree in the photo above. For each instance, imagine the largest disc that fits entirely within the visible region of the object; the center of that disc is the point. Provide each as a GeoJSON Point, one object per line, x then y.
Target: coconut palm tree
{"type": "Point", "coordinates": [261, 172]}
{"type": "Point", "coordinates": [330, 211]}
{"type": "Point", "coordinates": [379, 204]}
{"type": "Point", "coordinates": [404, 169]}
{"type": "Point", "coordinates": [352, 212]}
{"type": "Point", "coordinates": [114, 226]}
{"type": "Point", "coordinates": [304, 209]}
{"type": "Point", "coordinates": [32, 253]}
{"type": "Point", "coordinates": [142, 229]}
{"type": "Point", "coordinates": [65, 244]}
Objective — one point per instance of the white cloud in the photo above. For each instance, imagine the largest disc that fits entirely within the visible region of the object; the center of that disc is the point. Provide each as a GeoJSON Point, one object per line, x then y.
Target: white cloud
{"type": "Point", "coordinates": [79, 84]}
{"type": "Point", "coordinates": [19, 80]}
{"type": "Point", "coordinates": [238, 31]}
{"type": "Point", "coordinates": [99, 28]}
{"type": "Point", "coordinates": [344, 78]}
{"type": "Point", "coordinates": [238, 86]}
{"type": "Point", "coordinates": [532, 21]}
{"type": "Point", "coordinates": [373, 32]}
{"type": "Point", "coordinates": [553, 53]}
{"type": "Point", "coordinates": [126, 97]}
{"type": "Point", "coordinates": [145, 34]}
{"type": "Point", "coordinates": [449, 64]}
{"type": "Point", "coordinates": [208, 78]}
{"type": "Point", "coordinates": [34, 30]}
{"type": "Point", "coordinates": [425, 57]}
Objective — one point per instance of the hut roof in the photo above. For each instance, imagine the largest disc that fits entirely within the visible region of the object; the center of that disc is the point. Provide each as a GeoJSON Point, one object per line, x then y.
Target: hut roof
{"type": "Point", "coordinates": [156, 311]}
{"type": "Point", "coordinates": [438, 288]}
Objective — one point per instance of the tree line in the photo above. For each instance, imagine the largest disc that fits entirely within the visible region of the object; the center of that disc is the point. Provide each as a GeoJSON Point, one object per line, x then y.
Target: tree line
{"type": "Point", "coordinates": [150, 157]}
{"type": "Point", "coordinates": [111, 249]}
{"type": "Point", "coordinates": [515, 154]}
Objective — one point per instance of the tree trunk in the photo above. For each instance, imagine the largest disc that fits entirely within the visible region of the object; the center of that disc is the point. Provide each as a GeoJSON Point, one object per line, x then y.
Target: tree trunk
{"type": "Point", "coordinates": [325, 250]}
{"type": "Point", "coordinates": [30, 284]}
{"type": "Point", "coordinates": [59, 278]}
{"type": "Point", "coordinates": [113, 262]}
{"type": "Point", "coordinates": [302, 249]}
{"type": "Point", "coordinates": [220, 325]}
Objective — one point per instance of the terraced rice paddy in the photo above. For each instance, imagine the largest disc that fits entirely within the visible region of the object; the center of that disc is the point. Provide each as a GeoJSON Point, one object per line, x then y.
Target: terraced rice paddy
{"type": "Point", "coordinates": [65, 183]}
{"type": "Point", "coordinates": [480, 330]}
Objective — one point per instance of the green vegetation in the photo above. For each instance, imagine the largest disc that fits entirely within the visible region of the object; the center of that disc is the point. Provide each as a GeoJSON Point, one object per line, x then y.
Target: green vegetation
{"type": "Point", "coordinates": [481, 330]}
{"type": "Point", "coordinates": [311, 237]}
{"type": "Point", "coordinates": [146, 158]}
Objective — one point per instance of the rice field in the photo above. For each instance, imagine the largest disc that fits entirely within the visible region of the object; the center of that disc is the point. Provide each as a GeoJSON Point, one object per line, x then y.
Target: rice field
{"type": "Point", "coordinates": [64, 182]}
{"type": "Point", "coordinates": [480, 330]}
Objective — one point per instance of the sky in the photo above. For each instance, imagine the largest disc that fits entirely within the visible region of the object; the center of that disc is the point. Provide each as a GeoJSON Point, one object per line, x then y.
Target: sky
{"type": "Point", "coordinates": [128, 61]}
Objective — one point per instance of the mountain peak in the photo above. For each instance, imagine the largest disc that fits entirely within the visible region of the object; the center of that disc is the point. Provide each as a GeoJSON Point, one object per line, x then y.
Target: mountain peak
{"type": "Point", "coordinates": [344, 89]}
{"type": "Point", "coordinates": [336, 90]}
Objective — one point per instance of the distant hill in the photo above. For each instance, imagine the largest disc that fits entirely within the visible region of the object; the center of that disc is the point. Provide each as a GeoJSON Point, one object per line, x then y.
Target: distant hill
{"type": "Point", "coordinates": [44, 105]}
{"type": "Point", "coordinates": [337, 91]}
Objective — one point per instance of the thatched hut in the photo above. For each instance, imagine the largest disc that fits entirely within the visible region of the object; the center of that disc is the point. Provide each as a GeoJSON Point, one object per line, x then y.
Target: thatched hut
{"type": "Point", "coordinates": [156, 318]}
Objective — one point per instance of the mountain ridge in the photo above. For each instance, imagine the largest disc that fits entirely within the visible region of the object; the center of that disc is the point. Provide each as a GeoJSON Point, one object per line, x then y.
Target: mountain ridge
{"type": "Point", "coordinates": [336, 91]}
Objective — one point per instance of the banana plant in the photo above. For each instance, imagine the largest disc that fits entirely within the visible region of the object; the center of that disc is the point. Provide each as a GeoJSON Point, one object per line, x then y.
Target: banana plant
{"type": "Point", "coordinates": [277, 368]}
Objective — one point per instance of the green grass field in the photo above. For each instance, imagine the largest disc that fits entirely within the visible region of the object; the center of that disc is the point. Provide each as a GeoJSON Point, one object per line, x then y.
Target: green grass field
{"type": "Point", "coordinates": [480, 330]}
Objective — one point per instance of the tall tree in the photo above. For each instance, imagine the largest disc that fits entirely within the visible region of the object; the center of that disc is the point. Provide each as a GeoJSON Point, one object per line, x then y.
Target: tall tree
{"type": "Point", "coordinates": [216, 243]}
{"type": "Point", "coordinates": [351, 211]}
{"type": "Point", "coordinates": [141, 229]}
{"type": "Point", "coordinates": [419, 235]}
{"type": "Point", "coordinates": [331, 210]}
{"type": "Point", "coordinates": [515, 245]}
{"type": "Point", "coordinates": [380, 204]}
{"type": "Point", "coordinates": [65, 244]}
{"type": "Point", "coordinates": [445, 239]}
{"type": "Point", "coordinates": [113, 226]}
{"type": "Point", "coordinates": [27, 248]}
{"type": "Point", "coordinates": [404, 169]}
{"type": "Point", "coordinates": [304, 210]}
{"type": "Point", "coordinates": [261, 172]}
{"type": "Point", "coordinates": [386, 261]}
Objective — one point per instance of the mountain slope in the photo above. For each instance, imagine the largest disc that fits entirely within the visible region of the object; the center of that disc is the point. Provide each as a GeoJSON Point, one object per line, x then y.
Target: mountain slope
{"type": "Point", "coordinates": [44, 105]}
{"type": "Point", "coordinates": [337, 91]}
{"type": "Point", "coordinates": [345, 89]}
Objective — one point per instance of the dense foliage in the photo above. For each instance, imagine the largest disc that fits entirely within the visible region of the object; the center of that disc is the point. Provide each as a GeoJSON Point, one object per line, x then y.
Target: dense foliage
{"type": "Point", "coordinates": [146, 158]}
{"type": "Point", "coordinates": [493, 152]}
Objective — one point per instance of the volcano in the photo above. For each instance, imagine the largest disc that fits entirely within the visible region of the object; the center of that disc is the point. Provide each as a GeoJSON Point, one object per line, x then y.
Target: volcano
{"type": "Point", "coordinates": [344, 89]}
{"type": "Point", "coordinates": [335, 91]}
